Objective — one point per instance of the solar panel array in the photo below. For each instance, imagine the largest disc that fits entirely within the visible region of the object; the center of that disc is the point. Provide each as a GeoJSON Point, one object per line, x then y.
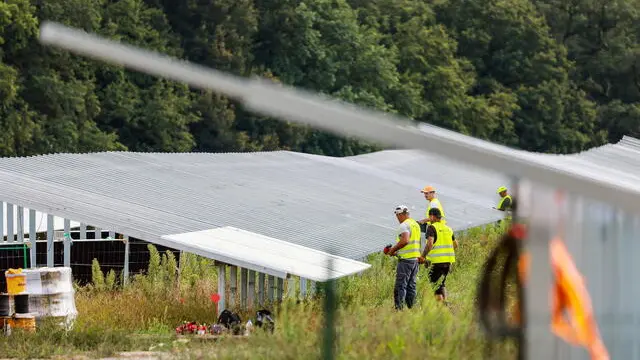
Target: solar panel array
{"type": "Point", "coordinates": [341, 205]}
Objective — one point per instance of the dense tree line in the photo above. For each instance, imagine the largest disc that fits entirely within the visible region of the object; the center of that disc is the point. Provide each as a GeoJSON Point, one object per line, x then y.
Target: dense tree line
{"type": "Point", "coordinates": [542, 75]}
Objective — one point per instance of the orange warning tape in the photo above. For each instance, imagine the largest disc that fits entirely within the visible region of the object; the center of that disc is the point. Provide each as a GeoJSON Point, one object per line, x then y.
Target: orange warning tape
{"type": "Point", "coordinates": [569, 296]}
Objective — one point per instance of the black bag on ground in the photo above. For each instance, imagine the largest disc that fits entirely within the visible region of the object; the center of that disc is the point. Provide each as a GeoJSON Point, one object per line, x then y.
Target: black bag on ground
{"type": "Point", "coordinates": [230, 320]}
{"type": "Point", "coordinates": [264, 320]}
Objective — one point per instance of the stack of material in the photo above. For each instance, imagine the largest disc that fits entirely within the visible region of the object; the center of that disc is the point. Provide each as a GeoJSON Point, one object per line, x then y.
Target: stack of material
{"type": "Point", "coordinates": [6, 312]}
{"type": "Point", "coordinates": [14, 305]}
{"type": "Point", "coordinates": [52, 294]}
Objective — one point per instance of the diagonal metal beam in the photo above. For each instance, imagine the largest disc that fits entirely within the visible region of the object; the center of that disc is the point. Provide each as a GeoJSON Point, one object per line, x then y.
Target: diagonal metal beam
{"type": "Point", "coordinates": [301, 106]}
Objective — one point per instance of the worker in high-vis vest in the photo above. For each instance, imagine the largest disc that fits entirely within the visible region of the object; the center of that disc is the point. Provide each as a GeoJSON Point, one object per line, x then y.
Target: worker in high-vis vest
{"type": "Point", "coordinates": [439, 253]}
{"type": "Point", "coordinates": [433, 202]}
{"type": "Point", "coordinates": [407, 249]}
{"type": "Point", "coordinates": [505, 204]}
{"type": "Point", "coordinates": [506, 200]}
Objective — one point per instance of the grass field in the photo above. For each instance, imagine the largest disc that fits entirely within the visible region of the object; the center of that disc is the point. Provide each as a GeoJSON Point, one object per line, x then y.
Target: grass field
{"type": "Point", "coordinates": [143, 316]}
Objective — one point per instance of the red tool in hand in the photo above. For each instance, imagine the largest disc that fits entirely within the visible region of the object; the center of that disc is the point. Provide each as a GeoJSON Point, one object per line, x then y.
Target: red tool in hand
{"type": "Point", "coordinates": [387, 248]}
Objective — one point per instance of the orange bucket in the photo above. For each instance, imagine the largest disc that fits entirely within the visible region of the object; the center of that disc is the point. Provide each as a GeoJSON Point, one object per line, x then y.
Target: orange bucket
{"type": "Point", "coordinates": [26, 322]}
{"type": "Point", "coordinates": [4, 321]}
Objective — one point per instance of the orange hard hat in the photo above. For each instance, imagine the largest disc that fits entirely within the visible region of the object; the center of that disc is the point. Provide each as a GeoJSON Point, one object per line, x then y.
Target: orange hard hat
{"type": "Point", "coordinates": [427, 189]}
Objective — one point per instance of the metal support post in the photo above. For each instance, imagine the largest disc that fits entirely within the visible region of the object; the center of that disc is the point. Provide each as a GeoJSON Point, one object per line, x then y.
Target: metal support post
{"type": "Point", "coordinates": [20, 224]}
{"type": "Point", "coordinates": [125, 275]}
{"type": "Point", "coordinates": [180, 263]}
{"type": "Point", "coordinates": [222, 287]}
{"type": "Point", "coordinates": [10, 220]}
{"type": "Point", "coordinates": [291, 287]}
{"type": "Point", "coordinates": [33, 239]}
{"type": "Point", "coordinates": [280, 289]}
{"type": "Point", "coordinates": [251, 290]}
{"type": "Point", "coordinates": [261, 294]}
{"type": "Point", "coordinates": [98, 233]}
{"type": "Point", "coordinates": [243, 288]}
{"type": "Point", "coordinates": [303, 288]}
{"type": "Point", "coordinates": [272, 288]}
{"type": "Point", "coordinates": [2, 205]}
{"type": "Point", "coordinates": [50, 247]}
{"type": "Point", "coordinates": [83, 231]}
{"type": "Point", "coordinates": [233, 286]}
{"type": "Point", "coordinates": [539, 341]}
{"type": "Point", "coordinates": [67, 243]}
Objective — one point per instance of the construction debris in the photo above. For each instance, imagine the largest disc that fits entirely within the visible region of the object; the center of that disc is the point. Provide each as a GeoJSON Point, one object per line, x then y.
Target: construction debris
{"type": "Point", "coordinates": [229, 323]}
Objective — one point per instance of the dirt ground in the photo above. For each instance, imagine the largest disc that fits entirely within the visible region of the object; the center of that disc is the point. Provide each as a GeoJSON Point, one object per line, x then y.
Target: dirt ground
{"type": "Point", "coordinates": [130, 355]}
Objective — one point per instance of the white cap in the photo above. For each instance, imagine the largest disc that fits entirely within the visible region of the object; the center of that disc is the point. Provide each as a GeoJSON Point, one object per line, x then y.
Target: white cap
{"type": "Point", "coordinates": [400, 209]}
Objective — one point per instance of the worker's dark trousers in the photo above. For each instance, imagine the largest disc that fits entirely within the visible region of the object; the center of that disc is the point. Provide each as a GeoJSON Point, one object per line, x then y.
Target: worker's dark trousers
{"type": "Point", "coordinates": [405, 289]}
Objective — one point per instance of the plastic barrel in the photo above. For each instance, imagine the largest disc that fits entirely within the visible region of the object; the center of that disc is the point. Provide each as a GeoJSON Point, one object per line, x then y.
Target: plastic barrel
{"type": "Point", "coordinates": [5, 307]}
{"type": "Point", "coordinates": [22, 304]}
{"type": "Point", "coordinates": [16, 283]}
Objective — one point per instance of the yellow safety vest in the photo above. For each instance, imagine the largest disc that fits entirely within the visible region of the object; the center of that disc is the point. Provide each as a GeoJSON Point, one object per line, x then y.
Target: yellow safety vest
{"type": "Point", "coordinates": [442, 251]}
{"type": "Point", "coordinates": [502, 200]}
{"type": "Point", "coordinates": [508, 210]}
{"type": "Point", "coordinates": [412, 249]}
{"type": "Point", "coordinates": [439, 206]}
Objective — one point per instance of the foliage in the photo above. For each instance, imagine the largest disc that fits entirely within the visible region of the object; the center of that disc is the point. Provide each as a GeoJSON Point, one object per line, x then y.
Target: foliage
{"type": "Point", "coordinates": [97, 276]}
{"type": "Point", "coordinates": [541, 75]}
{"type": "Point", "coordinates": [140, 317]}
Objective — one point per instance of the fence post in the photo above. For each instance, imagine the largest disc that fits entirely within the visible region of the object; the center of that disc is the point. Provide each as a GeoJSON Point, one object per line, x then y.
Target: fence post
{"type": "Point", "coordinates": [538, 340]}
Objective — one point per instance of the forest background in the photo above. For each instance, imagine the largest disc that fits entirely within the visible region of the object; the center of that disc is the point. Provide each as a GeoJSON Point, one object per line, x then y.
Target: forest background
{"type": "Point", "coordinates": [556, 76]}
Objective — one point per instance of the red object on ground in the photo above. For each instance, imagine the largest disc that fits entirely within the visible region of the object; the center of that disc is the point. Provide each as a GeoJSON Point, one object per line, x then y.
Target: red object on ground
{"type": "Point", "coordinates": [192, 327]}
{"type": "Point", "coordinates": [215, 298]}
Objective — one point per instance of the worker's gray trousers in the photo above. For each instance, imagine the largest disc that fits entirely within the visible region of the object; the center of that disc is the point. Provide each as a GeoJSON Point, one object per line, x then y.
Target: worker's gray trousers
{"type": "Point", "coordinates": [405, 288]}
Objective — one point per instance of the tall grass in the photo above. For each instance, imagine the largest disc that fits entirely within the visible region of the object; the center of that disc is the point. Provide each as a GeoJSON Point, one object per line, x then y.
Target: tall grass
{"type": "Point", "coordinates": [142, 315]}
